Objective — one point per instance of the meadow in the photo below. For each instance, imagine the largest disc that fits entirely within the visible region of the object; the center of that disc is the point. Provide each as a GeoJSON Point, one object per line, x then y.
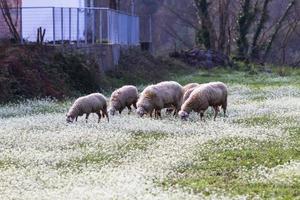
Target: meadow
{"type": "Point", "coordinates": [254, 153]}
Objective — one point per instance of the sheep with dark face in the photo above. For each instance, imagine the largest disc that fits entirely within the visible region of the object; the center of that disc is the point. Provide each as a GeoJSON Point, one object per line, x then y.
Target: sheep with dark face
{"type": "Point", "coordinates": [159, 96]}
{"type": "Point", "coordinates": [93, 103]}
{"type": "Point", "coordinates": [125, 96]}
{"type": "Point", "coordinates": [210, 94]}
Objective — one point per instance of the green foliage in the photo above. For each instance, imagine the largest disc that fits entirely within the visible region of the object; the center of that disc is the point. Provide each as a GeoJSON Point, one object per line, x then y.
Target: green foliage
{"type": "Point", "coordinates": [202, 37]}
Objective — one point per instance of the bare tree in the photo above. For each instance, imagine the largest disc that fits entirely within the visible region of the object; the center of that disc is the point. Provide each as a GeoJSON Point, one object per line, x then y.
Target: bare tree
{"type": "Point", "coordinates": [223, 23]}
{"type": "Point", "coordinates": [7, 15]}
{"type": "Point", "coordinates": [278, 27]}
{"type": "Point", "coordinates": [206, 34]}
{"type": "Point", "coordinates": [259, 29]}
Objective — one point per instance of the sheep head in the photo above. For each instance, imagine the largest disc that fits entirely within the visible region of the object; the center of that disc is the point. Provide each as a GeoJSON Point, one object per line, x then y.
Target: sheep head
{"type": "Point", "coordinates": [70, 118]}
{"type": "Point", "coordinates": [141, 111]}
{"type": "Point", "coordinates": [183, 115]}
{"type": "Point", "coordinates": [112, 111]}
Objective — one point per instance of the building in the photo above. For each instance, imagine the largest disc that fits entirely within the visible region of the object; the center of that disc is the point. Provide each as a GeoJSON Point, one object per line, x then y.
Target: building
{"type": "Point", "coordinates": [73, 21]}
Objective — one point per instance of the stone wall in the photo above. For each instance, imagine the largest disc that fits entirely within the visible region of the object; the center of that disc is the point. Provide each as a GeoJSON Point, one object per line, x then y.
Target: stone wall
{"type": "Point", "coordinates": [107, 56]}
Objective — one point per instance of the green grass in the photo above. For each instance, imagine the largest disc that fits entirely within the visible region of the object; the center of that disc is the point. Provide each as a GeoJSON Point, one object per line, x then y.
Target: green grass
{"type": "Point", "coordinates": [7, 163]}
{"type": "Point", "coordinates": [254, 81]}
{"type": "Point", "coordinates": [222, 165]}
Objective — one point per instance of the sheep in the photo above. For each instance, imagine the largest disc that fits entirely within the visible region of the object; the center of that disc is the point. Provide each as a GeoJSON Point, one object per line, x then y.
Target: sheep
{"type": "Point", "coordinates": [187, 90]}
{"type": "Point", "coordinates": [211, 94]}
{"type": "Point", "coordinates": [189, 86]}
{"type": "Point", "coordinates": [92, 103]}
{"type": "Point", "coordinates": [159, 96]}
{"type": "Point", "coordinates": [125, 96]}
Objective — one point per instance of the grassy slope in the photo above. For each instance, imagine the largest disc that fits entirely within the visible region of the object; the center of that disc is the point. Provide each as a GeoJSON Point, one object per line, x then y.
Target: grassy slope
{"type": "Point", "coordinates": [216, 169]}
{"type": "Point", "coordinates": [232, 165]}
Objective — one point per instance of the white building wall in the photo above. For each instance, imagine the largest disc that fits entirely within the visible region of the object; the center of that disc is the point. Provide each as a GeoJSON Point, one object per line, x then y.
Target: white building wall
{"type": "Point", "coordinates": [53, 3]}
{"type": "Point", "coordinates": [37, 14]}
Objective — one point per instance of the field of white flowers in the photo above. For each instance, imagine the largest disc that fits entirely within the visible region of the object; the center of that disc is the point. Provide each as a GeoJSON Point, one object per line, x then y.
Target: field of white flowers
{"type": "Point", "coordinates": [253, 153]}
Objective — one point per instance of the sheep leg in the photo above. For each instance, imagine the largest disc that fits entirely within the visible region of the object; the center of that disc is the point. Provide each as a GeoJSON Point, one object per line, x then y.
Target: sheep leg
{"type": "Point", "coordinates": [151, 113]}
{"type": "Point", "coordinates": [87, 117]}
{"type": "Point", "coordinates": [201, 115]}
{"type": "Point", "coordinates": [158, 114]}
{"type": "Point", "coordinates": [99, 116]}
{"type": "Point", "coordinates": [216, 108]}
{"type": "Point", "coordinates": [129, 109]}
{"type": "Point", "coordinates": [134, 105]}
{"type": "Point", "coordinates": [106, 114]}
{"type": "Point", "coordinates": [224, 107]}
{"type": "Point", "coordinates": [76, 118]}
{"type": "Point", "coordinates": [176, 111]}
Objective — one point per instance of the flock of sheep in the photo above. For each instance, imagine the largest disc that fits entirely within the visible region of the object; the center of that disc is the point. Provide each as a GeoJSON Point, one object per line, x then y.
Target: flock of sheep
{"type": "Point", "coordinates": [181, 100]}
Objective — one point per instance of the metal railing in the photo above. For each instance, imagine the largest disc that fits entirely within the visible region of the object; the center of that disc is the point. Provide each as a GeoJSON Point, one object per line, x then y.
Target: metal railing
{"type": "Point", "coordinates": [79, 25]}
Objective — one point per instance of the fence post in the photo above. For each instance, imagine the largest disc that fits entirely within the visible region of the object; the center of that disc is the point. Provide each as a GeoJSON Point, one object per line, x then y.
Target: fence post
{"type": "Point", "coordinates": [108, 25]}
{"type": "Point", "coordinates": [70, 26]}
{"type": "Point", "coordinates": [150, 32]}
{"type": "Point", "coordinates": [86, 26]}
{"type": "Point", "coordinates": [130, 30]}
{"type": "Point", "coordinates": [77, 36]}
{"type": "Point", "coordinates": [62, 25]}
{"type": "Point", "coordinates": [93, 26]}
{"type": "Point", "coordinates": [21, 25]}
{"type": "Point", "coordinates": [100, 27]}
{"type": "Point", "coordinates": [53, 23]}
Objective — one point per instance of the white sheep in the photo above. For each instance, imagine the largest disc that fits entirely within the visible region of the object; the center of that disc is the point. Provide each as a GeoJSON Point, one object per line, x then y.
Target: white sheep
{"type": "Point", "coordinates": [93, 103]}
{"type": "Point", "coordinates": [159, 96]}
{"type": "Point", "coordinates": [210, 94]}
{"type": "Point", "coordinates": [189, 86]}
{"type": "Point", "coordinates": [187, 90]}
{"type": "Point", "coordinates": [125, 96]}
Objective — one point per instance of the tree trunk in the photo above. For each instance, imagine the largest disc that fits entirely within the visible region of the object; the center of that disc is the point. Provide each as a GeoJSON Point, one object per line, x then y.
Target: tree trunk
{"type": "Point", "coordinates": [223, 22]}
{"type": "Point", "coordinates": [260, 27]}
{"type": "Point", "coordinates": [207, 34]}
{"type": "Point", "coordinates": [245, 21]}
{"type": "Point", "coordinates": [278, 27]}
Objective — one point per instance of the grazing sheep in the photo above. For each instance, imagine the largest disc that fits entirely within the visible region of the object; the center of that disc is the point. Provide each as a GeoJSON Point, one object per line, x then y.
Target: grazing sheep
{"type": "Point", "coordinates": [125, 96]}
{"type": "Point", "coordinates": [189, 86]}
{"type": "Point", "coordinates": [211, 94]}
{"type": "Point", "coordinates": [159, 96]}
{"type": "Point", "coordinates": [187, 90]}
{"type": "Point", "coordinates": [93, 103]}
